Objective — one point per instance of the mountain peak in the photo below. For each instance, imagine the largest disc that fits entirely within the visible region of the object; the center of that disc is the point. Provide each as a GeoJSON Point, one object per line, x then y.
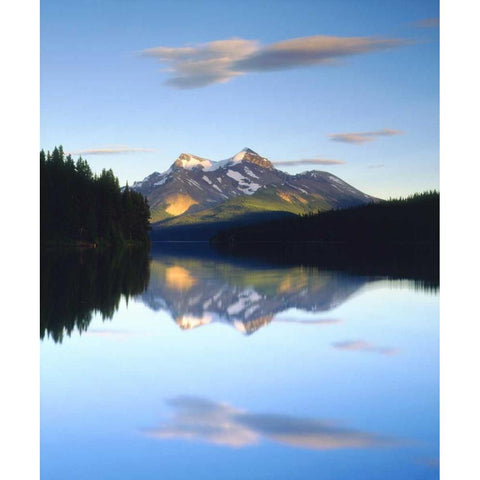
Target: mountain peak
{"type": "Point", "coordinates": [193, 185]}
{"type": "Point", "coordinates": [248, 155]}
{"type": "Point", "coordinates": [189, 161]}
{"type": "Point", "coordinates": [242, 153]}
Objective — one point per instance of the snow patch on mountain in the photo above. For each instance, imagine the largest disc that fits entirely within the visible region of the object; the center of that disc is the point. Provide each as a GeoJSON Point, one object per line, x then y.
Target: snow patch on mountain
{"type": "Point", "coordinates": [250, 189]}
{"type": "Point", "coordinates": [237, 176]}
{"type": "Point", "coordinates": [245, 185]}
{"type": "Point", "coordinates": [240, 155]}
{"type": "Point", "coordinates": [189, 162]}
{"type": "Point", "coordinates": [250, 173]}
{"type": "Point", "coordinates": [194, 183]}
{"type": "Point", "coordinates": [336, 179]}
{"type": "Point", "coordinates": [298, 188]}
{"type": "Point", "coordinates": [238, 158]}
{"type": "Point", "coordinates": [161, 182]}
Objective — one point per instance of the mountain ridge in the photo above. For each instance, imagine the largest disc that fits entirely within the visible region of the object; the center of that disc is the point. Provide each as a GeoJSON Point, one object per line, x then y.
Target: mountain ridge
{"type": "Point", "coordinates": [197, 190]}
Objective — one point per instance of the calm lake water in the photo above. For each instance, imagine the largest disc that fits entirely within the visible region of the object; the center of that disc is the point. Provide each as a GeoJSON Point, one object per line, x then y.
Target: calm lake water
{"type": "Point", "coordinates": [195, 366]}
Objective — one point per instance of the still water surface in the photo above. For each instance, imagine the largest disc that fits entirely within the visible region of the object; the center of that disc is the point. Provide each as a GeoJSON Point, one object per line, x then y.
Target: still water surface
{"type": "Point", "coordinates": [196, 366]}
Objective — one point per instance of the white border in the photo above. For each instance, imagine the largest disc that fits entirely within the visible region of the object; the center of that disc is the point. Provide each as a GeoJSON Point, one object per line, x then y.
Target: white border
{"type": "Point", "coordinates": [460, 193]}
{"type": "Point", "coordinates": [20, 134]}
{"type": "Point", "coordinates": [460, 242]}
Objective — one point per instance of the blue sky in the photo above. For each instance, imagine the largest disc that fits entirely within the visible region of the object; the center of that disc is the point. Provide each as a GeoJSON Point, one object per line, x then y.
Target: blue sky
{"type": "Point", "coordinates": [110, 72]}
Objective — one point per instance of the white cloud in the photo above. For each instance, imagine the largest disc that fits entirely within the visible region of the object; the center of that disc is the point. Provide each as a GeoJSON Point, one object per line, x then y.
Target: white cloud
{"type": "Point", "coordinates": [202, 65]}
{"type": "Point", "coordinates": [360, 138]}
{"type": "Point", "coordinates": [314, 50]}
{"type": "Point", "coordinates": [308, 161]}
{"type": "Point", "coordinates": [112, 150]}
{"type": "Point", "coordinates": [220, 61]}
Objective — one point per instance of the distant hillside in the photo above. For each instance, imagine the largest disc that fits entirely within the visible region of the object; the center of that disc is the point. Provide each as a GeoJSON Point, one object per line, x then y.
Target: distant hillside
{"type": "Point", "coordinates": [198, 196]}
{"type": "Point", "coordinates": [398, 238]}
{"type": "Point", "coordinates": [411, 220]}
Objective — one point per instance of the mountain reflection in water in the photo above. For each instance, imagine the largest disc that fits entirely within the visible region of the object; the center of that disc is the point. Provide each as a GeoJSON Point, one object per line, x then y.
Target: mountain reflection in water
{"type": "Point", "coordinates": [195, 285]}
{"type": "Point", "coordinates": [198, 291]}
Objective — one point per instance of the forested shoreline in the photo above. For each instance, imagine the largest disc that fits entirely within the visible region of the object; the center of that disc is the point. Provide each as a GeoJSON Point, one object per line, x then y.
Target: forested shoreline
{"type": "Point", "coordinates": [83, 209]}
{"type": "Point", "coordinates": [414, 219]}
{"type": "Point", "coordinates": [396, 238]}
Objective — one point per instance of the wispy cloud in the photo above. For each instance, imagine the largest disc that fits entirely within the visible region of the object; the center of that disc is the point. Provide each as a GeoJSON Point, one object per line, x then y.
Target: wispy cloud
{"type": "Point", "coordinates": [309, 161]}
{"type": "Point", "coordinates": [220, 61]}
{"type": "Point", "coordinates": [432, 22]}
{"type": "Point", "coordinates": [360, 138]}
{"type": "Point", "coordinates": [112, 150]}
{"type": "Point", "coordinates": [363, 346]}
{"type": "Point", "coordinates": [321, 321]}
{"type": "Point", "coordinates": [199, 419]}
{"type": "Point", "coordinates": [202, 65]}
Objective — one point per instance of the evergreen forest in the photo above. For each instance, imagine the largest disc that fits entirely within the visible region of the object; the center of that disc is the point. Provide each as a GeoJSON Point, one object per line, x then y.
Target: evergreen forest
{"type": "Point", "coordinates": [81, 208]}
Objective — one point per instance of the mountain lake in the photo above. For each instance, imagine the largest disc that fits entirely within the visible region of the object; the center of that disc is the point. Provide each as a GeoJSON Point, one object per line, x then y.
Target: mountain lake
{"type": "Point", "coordinates": [181, 363]}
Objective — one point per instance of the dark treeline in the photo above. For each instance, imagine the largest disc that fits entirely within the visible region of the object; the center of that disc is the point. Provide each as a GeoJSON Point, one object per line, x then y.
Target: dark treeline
{"type": "Point", "coordinates": [418, 262]}
{"type": "Point", "coordinates": [396, 238]}
{"type": "Point", "coordinates": [81, 208]}
{"type": "Point", "coordinates": [76, 284]}
{"type": "Point", "coordinates": [411, 220]}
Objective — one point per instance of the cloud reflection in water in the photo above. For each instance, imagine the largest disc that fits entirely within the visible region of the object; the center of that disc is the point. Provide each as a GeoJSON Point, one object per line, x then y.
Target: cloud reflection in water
{"type": "Point", "coordinates": [363, 346]}
{"type": "Point", "coordinates": [200, 419]}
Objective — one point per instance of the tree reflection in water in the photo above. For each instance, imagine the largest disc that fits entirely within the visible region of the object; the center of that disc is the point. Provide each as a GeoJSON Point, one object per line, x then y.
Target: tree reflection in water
{"type": "Point", "coordinates": [74, 285]}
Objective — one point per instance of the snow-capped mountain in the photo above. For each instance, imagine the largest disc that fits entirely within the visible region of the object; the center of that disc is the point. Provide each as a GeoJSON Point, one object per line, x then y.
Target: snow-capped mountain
{"type": "Point", "coordinates": [198, 190]}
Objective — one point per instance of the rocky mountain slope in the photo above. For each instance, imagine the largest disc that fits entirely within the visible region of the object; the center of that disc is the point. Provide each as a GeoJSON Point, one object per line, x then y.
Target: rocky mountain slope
{"type": "Point", "coordinates": [198, 191]}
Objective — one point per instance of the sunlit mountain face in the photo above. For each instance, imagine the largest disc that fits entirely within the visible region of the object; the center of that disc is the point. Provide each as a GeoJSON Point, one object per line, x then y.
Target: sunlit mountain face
{"type": "Point", "coordinates": [198, 195]}
{"type": "Point", "coordinates": [198, 291]}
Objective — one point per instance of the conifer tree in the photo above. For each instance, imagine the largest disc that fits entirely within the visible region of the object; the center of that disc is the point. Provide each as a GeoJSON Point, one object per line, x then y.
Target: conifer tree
{"type": "Point", "coordinates": [76, 205]}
